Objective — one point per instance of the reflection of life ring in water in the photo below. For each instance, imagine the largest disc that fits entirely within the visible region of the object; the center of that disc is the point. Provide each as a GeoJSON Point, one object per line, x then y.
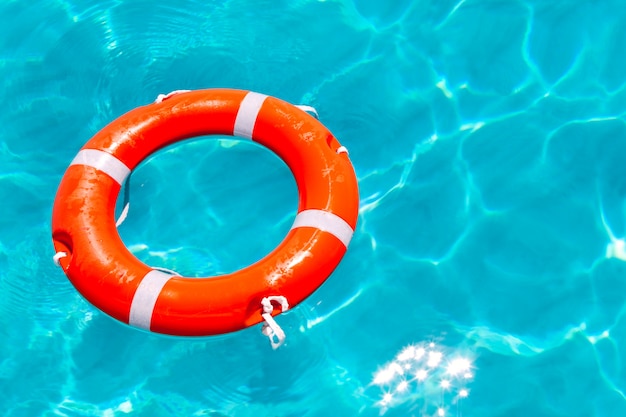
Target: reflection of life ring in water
{"type": "Point", "coordinates": [102, 269]}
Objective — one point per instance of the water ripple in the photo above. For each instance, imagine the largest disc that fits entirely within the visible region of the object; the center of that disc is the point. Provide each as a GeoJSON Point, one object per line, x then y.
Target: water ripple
{"type": "Point", "coordinates": [487, 141]}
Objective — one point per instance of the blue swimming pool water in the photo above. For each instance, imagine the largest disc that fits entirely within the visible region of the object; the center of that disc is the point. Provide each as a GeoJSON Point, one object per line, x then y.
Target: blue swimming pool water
{"type": "Point", "coordinates": [487, 276]}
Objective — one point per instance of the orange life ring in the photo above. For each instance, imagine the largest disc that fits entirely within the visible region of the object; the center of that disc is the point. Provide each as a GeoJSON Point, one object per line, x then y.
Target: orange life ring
{"type": "Point", "coordinates": [108, 275]}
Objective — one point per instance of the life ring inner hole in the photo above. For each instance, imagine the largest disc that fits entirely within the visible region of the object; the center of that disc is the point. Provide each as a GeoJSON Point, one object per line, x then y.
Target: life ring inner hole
{"type": "Point", "coordinates": [208, 206]}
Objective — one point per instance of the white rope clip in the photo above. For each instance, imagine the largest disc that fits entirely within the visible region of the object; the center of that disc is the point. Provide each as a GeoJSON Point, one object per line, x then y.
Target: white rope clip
{"type": "Point", "coordinates": [342, 149]}
{"type": "Point", "coordinates": [162, 97]}
{"type": "Point", "coordinates": [126, 208]}
{"type": "Point", "coordinates": [270, 328]}
{"type": "Point", "coordinates": [309, 109]}
{"type": "Point", "coordinates": [57, 258]}
{"type": "Point", "coordinates": [167, 271]}
{"type": "Point", "coordinates": [123, 215]}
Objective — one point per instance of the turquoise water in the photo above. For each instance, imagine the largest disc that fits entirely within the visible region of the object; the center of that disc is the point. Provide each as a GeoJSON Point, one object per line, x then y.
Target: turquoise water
{"type": "Point", "coordinates": [487, 276]}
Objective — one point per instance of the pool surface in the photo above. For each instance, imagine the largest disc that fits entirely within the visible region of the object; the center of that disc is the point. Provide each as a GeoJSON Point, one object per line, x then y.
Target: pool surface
{"type": "Point", "coordinates": [487, 274]}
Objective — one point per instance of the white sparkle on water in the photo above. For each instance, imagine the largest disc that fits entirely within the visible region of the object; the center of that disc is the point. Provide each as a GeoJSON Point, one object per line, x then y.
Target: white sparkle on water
{"type": "Point", "coordinates": [433, 375]}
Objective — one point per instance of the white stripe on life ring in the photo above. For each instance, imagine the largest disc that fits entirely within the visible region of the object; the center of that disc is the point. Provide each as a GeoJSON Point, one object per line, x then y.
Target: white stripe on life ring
{"type": "Point", "coordinates": [247, 114]}
{"type": "Point", "coordinates": [325, 221]}
{"type": "Point", "coordinates": [146, 297]}
{"type": "Point", "coordinates": [104, 162]}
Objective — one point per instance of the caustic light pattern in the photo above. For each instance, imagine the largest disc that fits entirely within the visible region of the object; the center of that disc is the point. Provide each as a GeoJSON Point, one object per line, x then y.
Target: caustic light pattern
{"type": "Point", "coordinates": [434, 377]}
